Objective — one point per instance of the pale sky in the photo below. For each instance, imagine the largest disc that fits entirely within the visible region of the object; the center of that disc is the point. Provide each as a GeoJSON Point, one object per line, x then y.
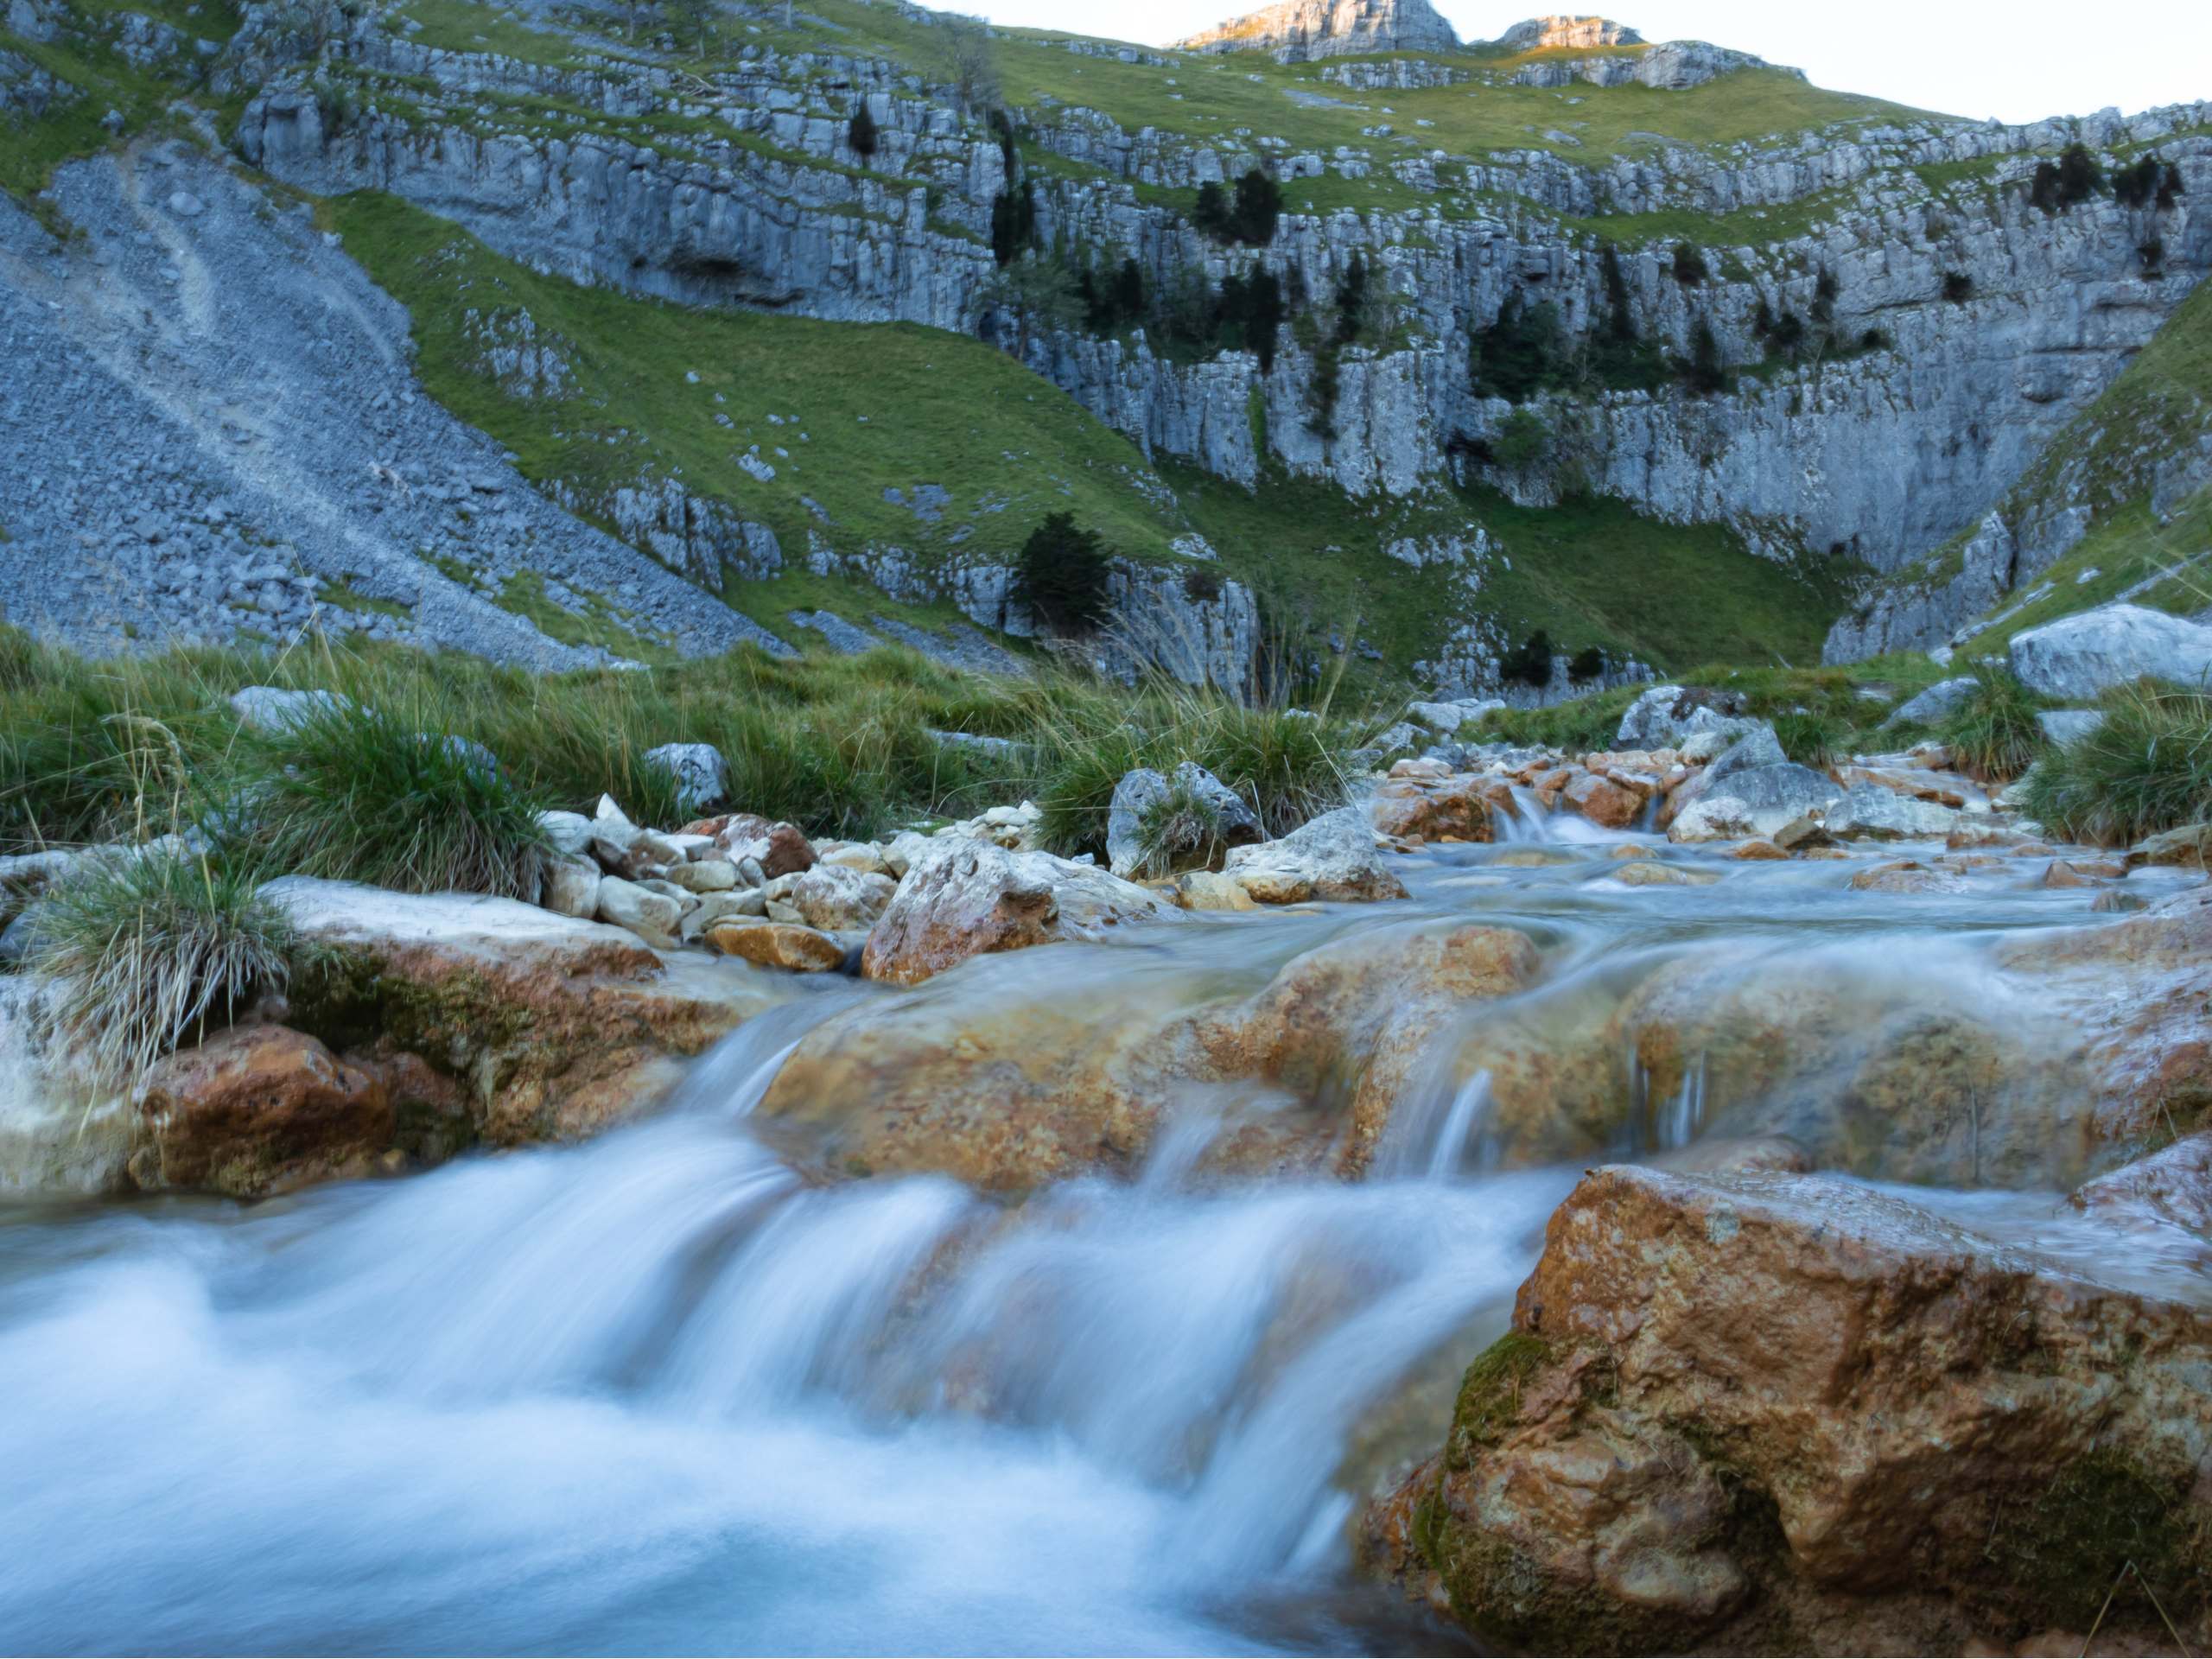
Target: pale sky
{"type": "Point", "coordinates": [2017, 61]}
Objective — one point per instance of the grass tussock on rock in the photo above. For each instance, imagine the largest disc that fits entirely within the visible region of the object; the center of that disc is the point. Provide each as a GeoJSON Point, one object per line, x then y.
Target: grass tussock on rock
{"type": "Point", "coordinates": [370, 793]}
{"type": "Point", "coordinates": [150, 948]}
{"type": "Point", "coordinates": [2148, 767]}
{"type": "Point", "coordinates": [1288, 765]}
{"type": "Point", "coordinates": [1992, 734]}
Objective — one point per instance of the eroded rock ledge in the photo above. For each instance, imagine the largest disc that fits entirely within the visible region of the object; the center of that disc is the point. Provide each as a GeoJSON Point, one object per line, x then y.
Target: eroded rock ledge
{"type": "Point", "coordinates": [1777, 1413]}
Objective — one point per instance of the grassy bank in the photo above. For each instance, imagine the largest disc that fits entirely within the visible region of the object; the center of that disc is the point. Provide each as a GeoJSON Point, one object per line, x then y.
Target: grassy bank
{"type": "Point", "coordinates": [841, 746]}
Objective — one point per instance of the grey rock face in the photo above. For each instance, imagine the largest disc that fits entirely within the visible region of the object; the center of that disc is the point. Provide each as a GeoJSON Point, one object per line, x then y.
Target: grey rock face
{"type": "Point", "coordinates": [2081, 656]}
{"type": "Point", "coordinates": [572, 888]}
{"type": "Point", "coordinates": [1449, 717]}
{"type": "Point", "coordinates": [1884, 455]}
{"type": "Point", "coordinates": [568, 832]}
{"type": "Point", "coordinates": [1137, 793]}
{"type": "Point", "coordinates": [651, 916]}
{"type": "Point", "coordinates": [1913, 616]}
{"type": "Point", "coordinates": [1143, 789]}
{"type": "Point", "coordinates": [700, 773]}
{"type": "Point", "coordinates": [1765, 800]}
{"type": "Point", "coordinates": [1757, 749]}
{"type": "Point", "coordinates": [1572, 33]}
{"type": "Point", "coordinates": [2064, 726]}
{"type": "Point", "coordinates": [1667, 715]}
{"type": "Point", "coordinates": [1868, 811]}
{"type": "Point", "coordinates": [1928, 706]}
{"type": "Point", "coordinates": [147, 503]}
{"type": "Point", "coordinates": [1236, 822]}
{"type": "Point", "coordinates": [1332, 857]}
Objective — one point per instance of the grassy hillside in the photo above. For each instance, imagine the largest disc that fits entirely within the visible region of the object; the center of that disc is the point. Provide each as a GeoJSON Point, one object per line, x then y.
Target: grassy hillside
{"type": "Point", "coordinates": [85, 60]}
{"type": "Point", "coordinates": [1589, 572]}
{"type": "Point", "coordinates": [861, 425]}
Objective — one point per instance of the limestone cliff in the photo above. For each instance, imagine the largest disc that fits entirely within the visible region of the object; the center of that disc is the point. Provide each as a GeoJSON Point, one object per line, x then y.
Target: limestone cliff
{"type": "Point", "coordinates": [1302, 30]}
{"type": "Point", "coordinates": [1845, 340]}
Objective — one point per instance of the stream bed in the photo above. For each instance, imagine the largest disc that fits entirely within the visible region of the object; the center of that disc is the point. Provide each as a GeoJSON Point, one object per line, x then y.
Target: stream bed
{"type": "Point", "coordinates": [674, 1390]}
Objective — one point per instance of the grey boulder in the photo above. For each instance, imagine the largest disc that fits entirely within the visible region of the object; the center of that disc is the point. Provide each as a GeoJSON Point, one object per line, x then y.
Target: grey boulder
{"type": "Point", "coordinates": [2064, 726]}
{"type": "Point", "coordinates": [1928, 706]}
{"type": "Point", "coordinates": [700, 773]}
{"type": "Point", "coordinates": [270, 709]}
{"type": "Point", "coordinates": [2078, 656]}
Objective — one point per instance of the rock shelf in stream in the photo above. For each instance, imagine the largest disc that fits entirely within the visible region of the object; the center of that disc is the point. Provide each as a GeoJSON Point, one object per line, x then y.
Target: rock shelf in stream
{"type": "Point", "coordinates": [1777, 1413]}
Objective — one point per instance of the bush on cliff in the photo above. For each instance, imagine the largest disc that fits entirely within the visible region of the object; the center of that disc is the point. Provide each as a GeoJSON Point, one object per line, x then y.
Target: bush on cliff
{"type": "Point", "coordinates": [149, 948]}
{"type": "Point", "coordinates": [2148, 767]}
{"type": "Point", "coordinates": [1061, 574]}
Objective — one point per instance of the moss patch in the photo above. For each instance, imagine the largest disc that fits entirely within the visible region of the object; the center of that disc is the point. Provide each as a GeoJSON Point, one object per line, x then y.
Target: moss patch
{"type": "Point", "coordinates": [1490, 1395]}
{"type": "Point", "coordinates": [2060, 1555]}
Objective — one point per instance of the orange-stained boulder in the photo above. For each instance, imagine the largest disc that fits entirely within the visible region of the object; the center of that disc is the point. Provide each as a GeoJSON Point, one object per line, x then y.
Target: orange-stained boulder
{"type": "Point", "coordinates": [261, 1108]}
{"type": "Point", "coordinates": [1783, 1413]}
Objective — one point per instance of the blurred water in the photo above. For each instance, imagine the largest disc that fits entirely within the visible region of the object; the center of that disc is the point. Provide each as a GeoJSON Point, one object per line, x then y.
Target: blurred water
{"type": "Point", "coordinates": [666, 1392]}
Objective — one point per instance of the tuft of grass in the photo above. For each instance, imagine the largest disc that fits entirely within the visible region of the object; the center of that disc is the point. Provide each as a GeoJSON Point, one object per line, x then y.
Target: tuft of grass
{"type": "Point", "coordinates": [362, 793]}
{"type": "Point", "coordinates": [1812, 737]}
{"type": "Point", "coordinates": [1181, 830]}
{"type": "Point", "coordinates": [1993, 734]}
{"type": "Point", "coordinates": [2147, 768]}
{"type": "Point", "coordinates": [149, 948]}
{"type": "Point", "coordinates": [1288, 765]}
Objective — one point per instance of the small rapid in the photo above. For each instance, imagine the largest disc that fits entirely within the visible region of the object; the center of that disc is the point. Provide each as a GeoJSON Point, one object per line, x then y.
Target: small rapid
{"type": "Point", "coordinates": [677, 1390]}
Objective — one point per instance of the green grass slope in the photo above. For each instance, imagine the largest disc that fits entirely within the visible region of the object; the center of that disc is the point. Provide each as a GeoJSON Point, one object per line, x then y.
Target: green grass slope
{"type": "Point", "coordinates": [1590, 571]}
{"type": "Point", "coordinates": [100, 78]}
{"type": "Point", "coordinates": [843, 414]}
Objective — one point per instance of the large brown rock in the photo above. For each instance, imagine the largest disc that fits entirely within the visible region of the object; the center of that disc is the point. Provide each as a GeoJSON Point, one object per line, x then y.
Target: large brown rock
{"type": "Point", "coordinates": [835, 896]}
{"type": "Point", "coordinates": [1893, 1071]}
{"type": "Point", "coordinates": [2172, 1187]}
{"type": "Point", "coordinates": [1775, 1413]}
{"type": "Point", "coordinates": [1606, 804]}
{"type": "Point", "coordinates": [262, 1108]}
{"type": "Point", "coordinates": [548, 1028]}
{"type": "Point", "coordinates": [776, 944]}
{"type": "Point", "coordinates": [1010, 1078]}
{"type": "Point", "coordinates": [1415, 803]}
{"type": "Point", "coordinates": [964, 898]}
{"type": "Point", "coordinates": [782, 848]}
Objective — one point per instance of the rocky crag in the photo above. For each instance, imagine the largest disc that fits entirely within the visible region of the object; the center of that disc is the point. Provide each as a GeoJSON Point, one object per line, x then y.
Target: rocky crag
{"type": "Point", "coordinates": [1305, 30]}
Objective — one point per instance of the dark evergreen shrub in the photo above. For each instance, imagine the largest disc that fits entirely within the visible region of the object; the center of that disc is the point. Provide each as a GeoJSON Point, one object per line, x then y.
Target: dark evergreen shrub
{"type": "Point", "coordinates": [1061, 574]}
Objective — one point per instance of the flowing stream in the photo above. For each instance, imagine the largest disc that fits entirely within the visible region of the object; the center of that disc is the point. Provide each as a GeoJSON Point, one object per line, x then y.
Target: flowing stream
{"type": "Point", "coordinates": [671, 1391]}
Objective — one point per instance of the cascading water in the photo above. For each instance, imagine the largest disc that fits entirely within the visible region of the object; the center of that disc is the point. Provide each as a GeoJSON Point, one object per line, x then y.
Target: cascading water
{"type": "Point", "coordinates": [667, 1391]}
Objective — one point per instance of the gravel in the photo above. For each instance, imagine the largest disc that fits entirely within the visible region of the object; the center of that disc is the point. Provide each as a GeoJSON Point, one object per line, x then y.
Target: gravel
{"type": "Point", "coordinates": [208, 416]}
